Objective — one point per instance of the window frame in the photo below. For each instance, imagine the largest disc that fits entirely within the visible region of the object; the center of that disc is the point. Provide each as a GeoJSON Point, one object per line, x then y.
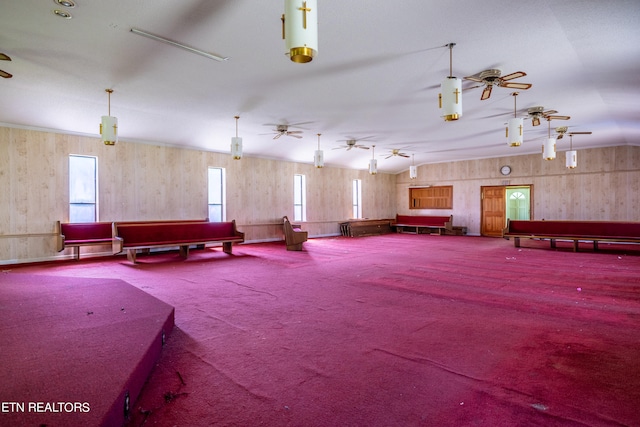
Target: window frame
{"type": "Point", "coordinates": [356, 198]}
{"type": "Point", "coordinates": [299, 197]}
{"type": "Point", "coordinates": [74, 181]}
{"type": "Point", "coordinates": [220, 194]}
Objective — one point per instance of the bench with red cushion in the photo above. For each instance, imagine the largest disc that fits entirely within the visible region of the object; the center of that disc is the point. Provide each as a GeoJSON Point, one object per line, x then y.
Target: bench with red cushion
{"type": "Point", "coordinates": [593, 231]}
{"type": "Point", "coordinates": [130, 237]}
{"type": "Point", "coordinates": [82, 234]}
{"type": "Point", "coordinates": [420, 222]}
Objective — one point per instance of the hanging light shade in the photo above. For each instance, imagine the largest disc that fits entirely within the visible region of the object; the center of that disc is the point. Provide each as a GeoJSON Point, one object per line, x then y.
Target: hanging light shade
{"type": "Point", "coordinates": [572, 159]}
{"type": "Point", "coordinates": [515, 127]}
{"type": "Point", "coordinates": [450, 97]}
{"type": "Point", "coordinates": [318, 158]}
{"type": "Point", "coordinates": [236, 144]}
{"type": "Point", "coordinates": [549, 149]}
{"type": "Point", "coordinates": [300, 29]}
{"type": "Point", "coordinates": [109, 125]}
{"type": "Point", "coordinates": [549, 146]}
{"type": "Point", "coordinates": [373, 163]}
{"type": "Point", "coordinates": [413, 171]}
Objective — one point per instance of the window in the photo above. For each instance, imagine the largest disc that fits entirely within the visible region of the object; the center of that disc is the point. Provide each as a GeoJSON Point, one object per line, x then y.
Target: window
{"type": "Point", "coordinates": [216, 195]}
{"type": "Point", "coordinates": [83, 188]}
{"type": "Point", "coordinates": [299, 198]}
{"type": "Point", "coordinates": [431, 197]}
{"type": "Point", "coordinates": [357, 198]}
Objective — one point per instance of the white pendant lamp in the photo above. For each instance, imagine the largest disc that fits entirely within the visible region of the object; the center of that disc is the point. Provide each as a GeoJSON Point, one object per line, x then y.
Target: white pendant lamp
{"type": "Point", "coordinates": [413, 171]}
{"type": "Point", "coordinates": [450, 97]}
{"type": "Point", "coordinates": [236, 144]}
{"type": "Point", "coordinates": [549, 146]}
{"type": "Point", "coordinates": [515, 127]}
{"type": "Point", "coordinates": [109, 125]}
{"type": "Point", "coordinates": [572, 155]}
{"type": "Point", "coordinates": [318, 158]}
{"type": "Point", "coordinates": [373, 163]}
{"type": "Point", "coordinates": [300, 29]}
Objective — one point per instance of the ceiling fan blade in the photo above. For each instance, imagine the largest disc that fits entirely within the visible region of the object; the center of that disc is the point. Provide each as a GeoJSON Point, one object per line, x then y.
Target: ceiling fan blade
{"type": "Point", "coordinates": [364, 147]}
{"type": "Point", "coordinates": [549, 112]}
{"type": "Point", "coordinates": [560, 136]}
{"type": "Point", "coordinates": [5, 74]}
{"type": "Point", "coordinates": [535, 121]}
{"type": "Point", "coordinates": [277, 136]}
{"type": "Point", "coordinates": [390, 155]}
{"type": "Point", "coordinates": [486, 93]}
{"type": "Point", "coordinates": [557, 117]}
{"type": "Point", "coordinates": [580, 133]}
{"type": "Point", "coordinates": [295, 136]}
{"type": "Point", "coordinates": [513, 85]}
{"type": "Point", "coordinates": [4, 57]}
{"type": "Point", "coordinates": [404, 155]}
{"type": "Point", "coordinates": [513, 75]}
{"type": "Point", "coordinates": [474, 79]}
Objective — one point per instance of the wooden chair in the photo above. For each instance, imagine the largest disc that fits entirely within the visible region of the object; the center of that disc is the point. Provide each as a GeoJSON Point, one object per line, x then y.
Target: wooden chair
{"type": "Point", "coordinates": [293, 237]}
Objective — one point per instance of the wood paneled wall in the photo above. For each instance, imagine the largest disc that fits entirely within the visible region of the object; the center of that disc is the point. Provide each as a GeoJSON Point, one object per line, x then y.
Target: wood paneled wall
{"type": "Point", "coordinates": [604, 186]}
{"type": "Point", "coordinates": [147, 182]}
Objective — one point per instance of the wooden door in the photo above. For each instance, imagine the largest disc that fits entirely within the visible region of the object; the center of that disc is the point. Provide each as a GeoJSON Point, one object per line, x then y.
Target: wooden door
{"type": "Point", "coordinates": [493, 216]}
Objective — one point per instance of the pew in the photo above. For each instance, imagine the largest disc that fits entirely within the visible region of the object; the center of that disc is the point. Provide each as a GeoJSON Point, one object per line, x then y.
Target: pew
{"type": "Point", "coordinates": [131, 237]}
{"type": "Point", "coordinates": [293, 237]}
{"type": "Point", "coordinates": [575, 231]}
{"type": "Point", "coordinates": [80, 234]}
{"type": "Point", "coordinates": [428, 223]}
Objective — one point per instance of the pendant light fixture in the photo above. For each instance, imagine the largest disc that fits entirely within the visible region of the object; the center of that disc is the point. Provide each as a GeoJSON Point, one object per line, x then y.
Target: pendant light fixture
{"type": "Point", "coordinates": [413, 171]}
{"type": "Point", "coordinates": [300, 29]}
{"type": "Point", "coordinates": [318, 158]}
{"type": "Point", "coordinates": [373, 163]}
{"type": "Point", "coordinates": [515, 126]}
{"type": "Point", "coordinates": [549, 146]}
{"type": "Point", "coordinates": [572, 155]}
{"type": "Point", "coordinates": [236, 144]}
{"type": "Point", "coordinates": [450, 97]}
{"type": "Point", "coordinates": [109, 125]}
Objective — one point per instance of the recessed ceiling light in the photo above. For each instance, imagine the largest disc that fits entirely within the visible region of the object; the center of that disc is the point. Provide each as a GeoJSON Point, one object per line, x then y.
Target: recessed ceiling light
{"type": "Point", "coordinates": [62, 14]}
{"type": "Point", "coordinates": [65, 3]}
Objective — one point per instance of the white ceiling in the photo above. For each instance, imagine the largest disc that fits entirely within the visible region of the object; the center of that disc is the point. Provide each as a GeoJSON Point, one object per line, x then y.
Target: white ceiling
{"type": "Point", "coordinates": [377, 74]}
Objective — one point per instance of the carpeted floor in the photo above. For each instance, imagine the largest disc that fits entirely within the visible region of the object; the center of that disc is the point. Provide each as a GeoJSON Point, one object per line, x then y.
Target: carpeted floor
{"type": "Point", "coordinates": [393, 330]}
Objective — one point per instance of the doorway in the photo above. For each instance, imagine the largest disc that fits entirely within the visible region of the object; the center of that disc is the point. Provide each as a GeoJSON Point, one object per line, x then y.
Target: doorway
{"type": "Point", "coordinates": [501, 202]}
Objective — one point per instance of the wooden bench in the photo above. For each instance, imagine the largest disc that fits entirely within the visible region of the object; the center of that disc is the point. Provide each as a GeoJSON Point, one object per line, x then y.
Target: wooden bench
{"type": "Point", "coordinates": [444, 224]}
{"type": "Point", "coordinates": [93, 233]}
{"type": "Point", "coordinates": [365, 227]}
{"type": "Point", "coordinates": [591, 231]}
{"type": "Point", "coordinates": [131, 237]}
{"type": "Point", "coordinates": [294, 237]}
{"type": "Point", "coordinates": [82, 234]}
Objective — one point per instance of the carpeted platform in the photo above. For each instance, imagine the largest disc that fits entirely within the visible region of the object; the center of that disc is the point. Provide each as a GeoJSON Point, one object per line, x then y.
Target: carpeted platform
{"type": "Point", "coordinates": [73, 350]}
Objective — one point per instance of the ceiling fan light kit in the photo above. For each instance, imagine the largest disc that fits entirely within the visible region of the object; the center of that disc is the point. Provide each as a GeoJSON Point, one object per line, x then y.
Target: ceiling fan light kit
{"type": "Point", "coordinates": [450, 97]}
{"type": "Point", "coordinates": [109, 125]}
{"type": "Point", "coordinates": [236, 144]}
{"type": "Point", "coordinates": [300, 29]}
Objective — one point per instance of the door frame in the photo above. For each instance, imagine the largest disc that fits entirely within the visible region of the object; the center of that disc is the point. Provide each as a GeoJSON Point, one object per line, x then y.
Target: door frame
{"type": "Point", "coordinates": [504, 207]}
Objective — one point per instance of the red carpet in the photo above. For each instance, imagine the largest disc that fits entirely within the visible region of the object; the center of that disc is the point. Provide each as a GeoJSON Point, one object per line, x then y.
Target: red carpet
{"type": "Point", "coordinates": [395, 330]}
{"type": "Point", "coordinates": [72, 349]}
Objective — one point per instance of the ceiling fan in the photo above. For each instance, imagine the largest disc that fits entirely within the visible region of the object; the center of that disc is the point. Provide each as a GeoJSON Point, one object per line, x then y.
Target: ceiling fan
{"type": "Point", "coordinates": [352, 143]}
{"type": "Point", "coordinates": [536, 113]}
{"type": "Point", "coordinates": [3, 73]}
{"type": "Point", "coordinates": [284, 130]}
{"type": "Point", "coordinates": [493, 77]}
{"type": "Point", "coordinates": [396, 152]}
